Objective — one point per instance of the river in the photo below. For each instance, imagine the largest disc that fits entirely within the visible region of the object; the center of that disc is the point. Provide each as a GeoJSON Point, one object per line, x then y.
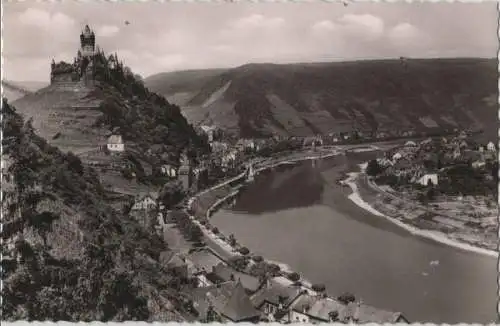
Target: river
{"type": "Point", "coordinates": [300, 217]}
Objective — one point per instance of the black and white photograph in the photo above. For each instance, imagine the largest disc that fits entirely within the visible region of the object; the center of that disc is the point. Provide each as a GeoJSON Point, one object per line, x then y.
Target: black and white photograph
{"type": "Point", "coordinates": [245, 161]}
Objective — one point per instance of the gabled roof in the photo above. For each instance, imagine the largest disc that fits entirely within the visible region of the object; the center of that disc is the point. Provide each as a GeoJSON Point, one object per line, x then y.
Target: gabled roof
{"type": "Point", "coordinates": [204, 260]}
{"type": "Point", "coordinates": [224, 272]}
{"type": "Point", "coordinates": [228, 299]}
{"type": "Point", "coordinates": [318, 307]}
{"type": "Point", "coordinates": [115, 139]}
{"type": "Point", "coordinates": [369, 314]}
{"type": "Point", "coordinates": [273, 291]}
{"type": "Point", "coordinates": [143, 195]}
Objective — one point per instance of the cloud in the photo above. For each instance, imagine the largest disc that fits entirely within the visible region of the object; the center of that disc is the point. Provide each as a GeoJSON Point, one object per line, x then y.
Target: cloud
{"type": "Point", "coordinates": [258, 21]}
{"type": "Point", "coordinates": [408, 39]}
{"type": "Point", "coordinates": [323, 26]}
{"type": "Point", "coordinates": [147, 63]}
{"type": "Point", "coordinates": [42, 19]}
{"type": "Point", "coordinates": [366, 26]}
{"type": "Point", "coordinates": [107, 31]}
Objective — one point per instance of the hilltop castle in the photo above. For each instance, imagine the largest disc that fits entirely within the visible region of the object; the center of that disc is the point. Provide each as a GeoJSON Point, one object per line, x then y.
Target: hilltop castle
{"type": "Point", "coordinates": [82, 69]}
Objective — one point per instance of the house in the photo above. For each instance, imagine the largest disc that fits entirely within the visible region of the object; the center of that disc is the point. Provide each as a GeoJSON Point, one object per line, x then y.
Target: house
{"type": "Point", "coordinates": [491, 147]}
{"type": "Point", "coordinates": [396, 157]}
{"type": "Point", "coordinates": [168, 170]}
{"type": "Point", "coordinates": [145, 202]}
{"type": "Point", "coordinates": [410, 143]}
{"type": "Point", "coordinates": [224, 273]}
{"type": "Point", "coordinates": [115, 144]}
{"type": "Point", "coordinates": [317, 308]}
{"type": "Point", "coordinates": [432, 177]}
{"type": "Point", "coordinates": [275, 297]}
{"type": "Point", "coordinates": [202, 262]}
{"type": "Point", "coordinates": [478, 164]}
{"type": "Point", "coordinates": [174, 263]}
{"type": "Point", "coordinates": [225, 302]}
{"type": "Point", "coordinates": [358, 312]}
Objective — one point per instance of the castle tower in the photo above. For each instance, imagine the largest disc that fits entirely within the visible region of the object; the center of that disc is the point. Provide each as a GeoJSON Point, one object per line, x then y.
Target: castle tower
{"type": "Point", "coordinates": [87, 42]}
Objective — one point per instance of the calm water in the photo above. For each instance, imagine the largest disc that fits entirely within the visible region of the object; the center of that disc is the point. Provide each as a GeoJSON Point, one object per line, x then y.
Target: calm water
{"type": "Point", "coordinates": [299, 216]}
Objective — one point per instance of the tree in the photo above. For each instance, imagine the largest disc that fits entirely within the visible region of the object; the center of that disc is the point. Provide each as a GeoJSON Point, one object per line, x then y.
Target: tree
{"type": "Point", "coordinates": [431, 193]}
{"type": "Point", "coordinates": [232, 240]}
{"type": "Point", "coordinates": [373, 168]}
{"type": "Point", "coordinates": [333, 316]}
{"type": "Point", "coordinates": [238, 262]}
{"type": "Point", "coordinates": [244, 251]}
{"type": "Point", "coordinates": [319, 287]}
{"type": "Point", "coordinates": [294, 277]}
{"type": "Point", "coordinates": [74, 163]}
{"type": "Point", "coordinates": [257, 259]}
{"type": "Point", "coordinates": [346, 298]}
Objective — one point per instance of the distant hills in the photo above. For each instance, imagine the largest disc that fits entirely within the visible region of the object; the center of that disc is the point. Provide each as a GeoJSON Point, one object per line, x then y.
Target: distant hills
{"type": "Point", "coordinates": [320, 98]}
{"type": "Point", "coordinates": [15, 90]}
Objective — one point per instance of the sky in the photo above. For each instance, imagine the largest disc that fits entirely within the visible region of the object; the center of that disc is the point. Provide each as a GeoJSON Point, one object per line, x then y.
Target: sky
{"type": "Point", "coordinates": [177, 35]}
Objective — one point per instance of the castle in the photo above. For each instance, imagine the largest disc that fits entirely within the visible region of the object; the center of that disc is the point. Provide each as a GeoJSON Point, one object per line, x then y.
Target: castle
{"type": "Point", "coordinates": [82, 69]}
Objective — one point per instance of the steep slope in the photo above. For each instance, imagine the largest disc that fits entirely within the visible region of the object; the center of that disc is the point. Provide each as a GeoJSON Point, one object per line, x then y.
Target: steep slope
{"type": "Point", "coordinates": [68, 254]}
{"type": "Point", "coordinates": [79, 118]}
{"type": "Point", "coordinates": [180, 86]}
{"type": "Point", "coordinates": [304, 99]}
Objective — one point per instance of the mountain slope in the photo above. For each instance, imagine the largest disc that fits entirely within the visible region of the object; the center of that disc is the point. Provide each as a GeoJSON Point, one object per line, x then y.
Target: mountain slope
{"type": "Point", "coordinates": [75, 257]}
{"type": "Point", "coordinates": [15, 90]}
{"type": "Point", "coordinates": [79, 118]}
{"type": "Point", "coordinates": [305, 99]}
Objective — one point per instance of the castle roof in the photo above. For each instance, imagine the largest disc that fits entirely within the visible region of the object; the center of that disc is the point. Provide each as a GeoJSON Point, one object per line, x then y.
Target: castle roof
{"type": "Point", "coordinates": [115, 139]}
{"type": "Point", "coordinates": [87, 31]}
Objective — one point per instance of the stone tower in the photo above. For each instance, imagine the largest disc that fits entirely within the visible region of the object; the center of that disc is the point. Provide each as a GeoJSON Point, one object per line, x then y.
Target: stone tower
{"type": "Point", "coordinates": [87, 42]}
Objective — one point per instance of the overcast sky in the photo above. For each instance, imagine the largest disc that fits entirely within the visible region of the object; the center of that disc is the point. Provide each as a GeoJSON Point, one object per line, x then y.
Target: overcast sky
{"type": "Point", "coordinates": [176, 36]}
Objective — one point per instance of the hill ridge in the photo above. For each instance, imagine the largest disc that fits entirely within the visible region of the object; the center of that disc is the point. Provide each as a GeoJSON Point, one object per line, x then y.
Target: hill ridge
{"type": "Point", "coordinates": [374, 95]}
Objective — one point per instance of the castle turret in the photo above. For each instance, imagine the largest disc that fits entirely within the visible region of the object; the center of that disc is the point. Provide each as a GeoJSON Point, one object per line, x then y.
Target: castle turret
{"type": "Point", "coordinates": [87, 42]}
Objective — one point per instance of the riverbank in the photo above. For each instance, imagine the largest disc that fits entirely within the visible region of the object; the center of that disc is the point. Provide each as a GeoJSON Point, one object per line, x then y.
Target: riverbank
{"type": "Point", "coordinates": [414, 225]}
{"type": "Point", "coordinates": [202, 205]}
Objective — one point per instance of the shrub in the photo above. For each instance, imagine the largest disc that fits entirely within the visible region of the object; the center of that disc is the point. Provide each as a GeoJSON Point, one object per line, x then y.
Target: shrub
{"type": "Point", "coordinates": [244, 251]}
{"type": "Point", "coordinates": [293, 277]}
{"type": "Point", "coordinates": [319, 287]}
{"type": "Point", "coordinates": [373, 168]}
{"type": "Point", "coordinates": [346, 298]}
{"type": "Point", "coordinates": [215, 230]}
{"type": "Point", "coordinates": [257, 259]}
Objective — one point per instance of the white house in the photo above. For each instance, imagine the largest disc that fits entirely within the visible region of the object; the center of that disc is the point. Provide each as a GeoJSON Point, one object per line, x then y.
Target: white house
{"type": "Point", "coordinates": [168, 170]}
{"type": "Point", "coordinates": [424, 180]}
{"type": "Point", "coordinates": [396, 156]}
{"type": "Point", "coordinates": [410, 143]}
{"type": "Point", "coordinates": [115, 144]}
{"type": "Point", "coordinates": [491, 147]}
{"type": "Point", "coordinates": [209, 131]}
{"type": "Point", "coordinates": [145, 202]}
{"type": "Point", "coordinates": [478, 164]}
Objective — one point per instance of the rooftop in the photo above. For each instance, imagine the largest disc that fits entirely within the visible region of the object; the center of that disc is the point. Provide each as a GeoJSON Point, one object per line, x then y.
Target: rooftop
{"type": "Point", "coordinates": [228, 299]}
{"type": "Point", "coordinates": [115, 139]}
{"type": "Point", "coordinates": [225, 272]}
{"type": "Point", "coordinates": [273, 291]}
{"type": "Point", "coordinates": [203, 260]}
